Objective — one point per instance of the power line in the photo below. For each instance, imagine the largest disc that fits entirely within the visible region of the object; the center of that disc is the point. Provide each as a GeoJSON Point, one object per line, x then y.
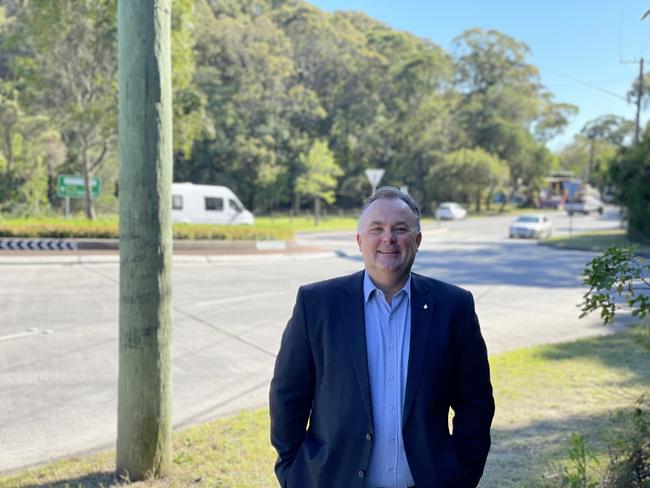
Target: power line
{"type": "Point", "coordinates": [586, 83]}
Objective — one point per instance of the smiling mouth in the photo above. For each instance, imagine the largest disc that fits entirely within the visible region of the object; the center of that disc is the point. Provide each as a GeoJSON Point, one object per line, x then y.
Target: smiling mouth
{"type": "Point", "coordinates": [387, 252]}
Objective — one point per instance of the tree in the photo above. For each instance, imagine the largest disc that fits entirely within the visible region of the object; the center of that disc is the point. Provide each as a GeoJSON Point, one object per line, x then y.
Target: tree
{"type": "Point", "coordinates": [629, 173]}
{"type": "Point", "coordinates": [262, 115]}
{"type": "Point", "coordinates": [552, 118]}
{"type": "Point", "coordinates": [30, 152]}
{"type": "Point", "coordinates": [467, 174]}
{"type": "Point", "coordinates": [71, 75]}
{"type": "Point", "coordinates": [144, 400]}
{"type": "Point", "coordinates": [610, 131]}
{"type": "Point", "coordinates": [319, 178]}
{"type": "Point", "coordinates": [502, 100]}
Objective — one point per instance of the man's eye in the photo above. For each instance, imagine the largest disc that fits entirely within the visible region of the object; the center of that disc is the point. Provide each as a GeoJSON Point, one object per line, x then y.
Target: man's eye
{"type": "Point", "coordinates": [375, 230]}
{"type": "Point", "coordinates": [401, 230]}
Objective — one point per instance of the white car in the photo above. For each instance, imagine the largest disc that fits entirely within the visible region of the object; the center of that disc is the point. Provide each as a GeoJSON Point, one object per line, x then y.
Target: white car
{"type": "Point", "coordinates": [584, 205]}
{"type": "Point", "coordinates": [450, 211]}
{"type": "Point", "coordinates": [533, 226]}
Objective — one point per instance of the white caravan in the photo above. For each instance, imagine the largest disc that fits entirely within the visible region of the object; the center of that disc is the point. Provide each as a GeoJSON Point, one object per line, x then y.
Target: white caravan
{"type": "Point", "coordinates": [207, 204]}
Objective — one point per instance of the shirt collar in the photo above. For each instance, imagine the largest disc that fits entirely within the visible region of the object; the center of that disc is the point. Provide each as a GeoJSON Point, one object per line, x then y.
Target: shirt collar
{"type": "Point", "coordinates": [369, 287]}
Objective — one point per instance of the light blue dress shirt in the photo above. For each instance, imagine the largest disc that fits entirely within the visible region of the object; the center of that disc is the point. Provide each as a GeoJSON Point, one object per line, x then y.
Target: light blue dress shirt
{"type": "Point", "coordinates": [388, 335]}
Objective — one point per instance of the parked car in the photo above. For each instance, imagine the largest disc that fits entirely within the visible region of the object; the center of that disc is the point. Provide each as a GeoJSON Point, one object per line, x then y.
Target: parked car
{"type": "Point", "coordinates": [450, 211]}
{"type": "Point", "coordinates": [584, 205]}
{"type": "Point", "coordinates": [532, 226]}
{"type": "Point", "coordinates": [207, 204]}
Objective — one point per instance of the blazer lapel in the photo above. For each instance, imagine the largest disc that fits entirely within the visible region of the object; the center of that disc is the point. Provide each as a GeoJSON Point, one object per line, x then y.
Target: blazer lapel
{"type": "Point", "coordinates": [421, 324]}
{"type": "Point", "coordinates": [354, 325]}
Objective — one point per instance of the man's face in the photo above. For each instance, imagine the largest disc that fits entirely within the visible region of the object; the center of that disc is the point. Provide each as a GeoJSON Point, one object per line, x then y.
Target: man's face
{"type": "Point", "coordinates": [388, 239]}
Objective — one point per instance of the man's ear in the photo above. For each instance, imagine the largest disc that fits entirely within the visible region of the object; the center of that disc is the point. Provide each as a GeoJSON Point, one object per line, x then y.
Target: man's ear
{"type": "Point", "coordinates": [359, 241]}
{"type": "Point", "coordinates": [418, 240]}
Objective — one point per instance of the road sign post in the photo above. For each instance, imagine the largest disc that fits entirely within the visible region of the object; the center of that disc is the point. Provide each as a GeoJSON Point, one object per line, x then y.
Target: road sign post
{"type": "Point", "coordinates": [374, 176]}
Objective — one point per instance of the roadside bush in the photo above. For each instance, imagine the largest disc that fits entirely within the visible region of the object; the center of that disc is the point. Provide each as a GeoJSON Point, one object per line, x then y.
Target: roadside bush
{"type": "Point", "coordinates": [628, 455]}
{"type": "Point", "coordinates": [110, 230]}
{"type": "Point", "coordinates": [629, 452]}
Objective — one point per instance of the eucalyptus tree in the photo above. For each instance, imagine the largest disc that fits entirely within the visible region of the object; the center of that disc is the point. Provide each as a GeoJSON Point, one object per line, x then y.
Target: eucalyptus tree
{"type": "Point", "coordinates": [262, 116]}
{"type": "Point", "coordinates": [503, 105]}
{"type": "Point", "coordinates": [30, 152]}
{"type": "Point", "coordinates": [393, 110]}
{"type": "Point", "coordinates": [71, 71]}
{"type": "Point", "coordinates": [605, 134]}
{"type": "Point", "coordinates": [63, 61]}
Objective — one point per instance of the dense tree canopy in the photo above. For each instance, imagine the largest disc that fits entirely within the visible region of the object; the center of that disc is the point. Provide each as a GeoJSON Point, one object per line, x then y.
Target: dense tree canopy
{"type": "Point", "coordinates": [630, 176]}
{"type": "Point", "coordinates": [256, 83]}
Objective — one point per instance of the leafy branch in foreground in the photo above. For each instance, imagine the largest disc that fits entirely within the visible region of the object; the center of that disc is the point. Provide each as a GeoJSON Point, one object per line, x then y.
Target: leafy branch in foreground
{"type": "Point", "coordinates": [618, 274]}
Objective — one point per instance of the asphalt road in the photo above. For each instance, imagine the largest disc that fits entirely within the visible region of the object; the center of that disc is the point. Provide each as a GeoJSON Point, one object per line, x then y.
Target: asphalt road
{"type": "Point", "coordinates": [59, 325]}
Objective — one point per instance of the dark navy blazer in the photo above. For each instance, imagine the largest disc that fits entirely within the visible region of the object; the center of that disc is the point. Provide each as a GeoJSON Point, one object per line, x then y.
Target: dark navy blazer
{"type": "Point", "coordinates": [320, 404]}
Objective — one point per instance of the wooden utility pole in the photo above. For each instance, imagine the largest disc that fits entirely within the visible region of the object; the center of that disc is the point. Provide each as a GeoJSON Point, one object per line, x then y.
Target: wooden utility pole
{"type": "Point", "coordinates": [145, 135]}
{"type": "Point", "coordinates": [639, 97]}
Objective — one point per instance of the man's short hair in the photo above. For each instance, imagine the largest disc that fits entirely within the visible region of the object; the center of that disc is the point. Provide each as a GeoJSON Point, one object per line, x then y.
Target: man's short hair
{"type": "Point", "coordinates": [391, 192]}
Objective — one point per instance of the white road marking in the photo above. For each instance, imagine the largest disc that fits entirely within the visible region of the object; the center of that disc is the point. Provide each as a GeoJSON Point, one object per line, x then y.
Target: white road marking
{"type": "Point", "coordinates": [242, 298]}
{"type": "Point", "coordinates": [28, 332]}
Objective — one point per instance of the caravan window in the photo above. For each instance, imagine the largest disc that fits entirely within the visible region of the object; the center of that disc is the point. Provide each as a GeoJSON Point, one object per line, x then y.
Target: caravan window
{"type": "Point", "coordinates": [212, 203]}
{"type": "Point", "coordinates": [177, 202]}
{"type": "Point", "coordinates": [234, 205]}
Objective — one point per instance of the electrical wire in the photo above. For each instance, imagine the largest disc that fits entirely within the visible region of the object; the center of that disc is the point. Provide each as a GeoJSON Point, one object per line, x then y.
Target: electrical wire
{"type": "Point", "coordinates": [586, 83]}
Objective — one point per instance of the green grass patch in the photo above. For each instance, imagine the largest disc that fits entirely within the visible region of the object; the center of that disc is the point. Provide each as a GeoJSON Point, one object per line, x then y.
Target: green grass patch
{"type": "Point", "coordinates": [597, 241]}
{"type": "Point", "coordinates": [543, 394]}
{"type": "Point", "coordinates": [108, 228]}
{"type": "Point", "coordinates": [306, 223]}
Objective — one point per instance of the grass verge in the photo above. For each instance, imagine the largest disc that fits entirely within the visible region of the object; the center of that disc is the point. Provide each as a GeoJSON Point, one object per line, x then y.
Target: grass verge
{"type": "Point", "coordinates": [542, 394]}
{"type": "Point", "coordinates": [597, 241]}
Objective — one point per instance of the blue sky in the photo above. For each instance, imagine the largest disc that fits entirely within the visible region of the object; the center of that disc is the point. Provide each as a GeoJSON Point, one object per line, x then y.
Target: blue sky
{"type": "Point", "coordinates": [578, 45]}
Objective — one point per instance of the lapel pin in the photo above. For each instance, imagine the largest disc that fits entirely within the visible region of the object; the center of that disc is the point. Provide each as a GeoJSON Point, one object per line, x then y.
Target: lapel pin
{"type": "Point", "coordinates": [425, 306]}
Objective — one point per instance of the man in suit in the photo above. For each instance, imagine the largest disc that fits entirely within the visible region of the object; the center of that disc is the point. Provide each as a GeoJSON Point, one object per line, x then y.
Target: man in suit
{"type": "Point", "coordinates": [371, 363]}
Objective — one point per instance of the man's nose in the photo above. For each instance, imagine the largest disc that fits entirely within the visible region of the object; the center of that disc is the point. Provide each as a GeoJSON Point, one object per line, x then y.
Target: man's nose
{"type": "Point", "coordinates": [388, 235]}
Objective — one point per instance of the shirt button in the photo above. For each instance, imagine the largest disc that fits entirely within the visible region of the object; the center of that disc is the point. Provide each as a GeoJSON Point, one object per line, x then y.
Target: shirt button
{"type": "Point", "coordinates": [389, 468]}
{"type": "Point", "coordinates": [361, 473]}
{"type": "Point", "coordinates": [392, 407]}
{"type": "Point", "coordinates": [368, 436]}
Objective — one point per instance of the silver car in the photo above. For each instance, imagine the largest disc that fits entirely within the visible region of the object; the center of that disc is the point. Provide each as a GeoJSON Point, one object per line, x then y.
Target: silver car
{"type": "Point", "coordinates": [531, 226]}
{"type": "Point", "coordinates": [584, 205]}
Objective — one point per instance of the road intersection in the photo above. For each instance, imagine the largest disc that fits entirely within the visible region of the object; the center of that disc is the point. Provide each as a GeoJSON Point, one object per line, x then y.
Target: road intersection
{"type": "Point", "coordinates": [59, 324]}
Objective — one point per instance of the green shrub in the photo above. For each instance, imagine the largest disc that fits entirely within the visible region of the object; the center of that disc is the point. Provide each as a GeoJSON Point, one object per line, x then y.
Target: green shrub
{"type": "Point", "coordinates": [109, 229]}
{"type": "Point", "coordinates": [629, 452]}
{"type": "Point", "coordinates": [578, 472]}
{"type": "Point", "coordinates": [628, 455]}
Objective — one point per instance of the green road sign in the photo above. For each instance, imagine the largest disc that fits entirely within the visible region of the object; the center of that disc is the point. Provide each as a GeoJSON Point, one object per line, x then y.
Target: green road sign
{"type": "Point", "coordinates": [72, 186]}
